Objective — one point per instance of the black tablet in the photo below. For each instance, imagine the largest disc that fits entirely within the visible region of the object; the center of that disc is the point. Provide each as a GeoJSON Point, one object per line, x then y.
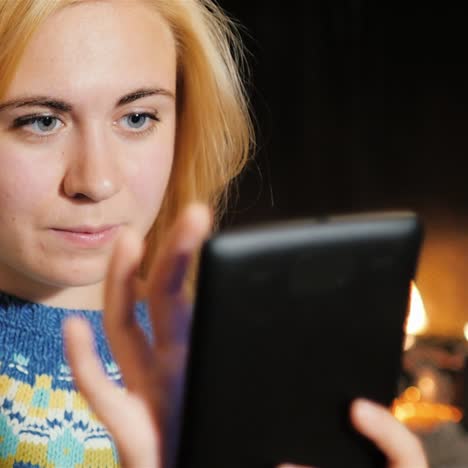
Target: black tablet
{"type": "Point", "coordinates": [291, 323]}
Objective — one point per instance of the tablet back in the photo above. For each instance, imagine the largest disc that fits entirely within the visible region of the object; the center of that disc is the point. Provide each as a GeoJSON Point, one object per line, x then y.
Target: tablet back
{"type": "Point", "coordinates": [291, 323]}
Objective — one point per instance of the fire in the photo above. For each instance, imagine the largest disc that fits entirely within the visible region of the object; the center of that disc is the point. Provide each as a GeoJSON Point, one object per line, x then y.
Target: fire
{"type": "Point", "coordinates": [412, 410]}
{"type": "Point", "coordinates": [465, 331]}
{"type": "Point", "coordinates": [417, 319]}
{"type": "Point", "coordinates": [415, 406]}
{"type": "Point", "coordinates": [416, 322]}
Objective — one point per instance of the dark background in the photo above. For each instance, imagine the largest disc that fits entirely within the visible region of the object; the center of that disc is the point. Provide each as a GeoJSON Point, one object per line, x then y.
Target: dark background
{"type": "Point", "coordinates": [360, 105]}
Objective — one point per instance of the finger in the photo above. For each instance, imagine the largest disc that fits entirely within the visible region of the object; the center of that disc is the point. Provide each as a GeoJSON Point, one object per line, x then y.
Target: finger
{"type": "Point", "coordinates": [127, 340]}
{"type": "Point", "coordinates": [170, 310]}
{"type": "Point", "coordinates": [402, 448]}
{"type": "Point", "coordinates": [115, 409]}
{"type": "Point", "coordinates": [103, 396]}
{"type": "Point", "coordinates": [170, 313]}
{"type": "Point", "coordinates": [168, 272]}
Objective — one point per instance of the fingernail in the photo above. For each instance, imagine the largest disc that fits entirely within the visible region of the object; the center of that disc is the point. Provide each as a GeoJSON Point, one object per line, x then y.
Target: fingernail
{"type": "Point", "coordinates": [364, 408]}
{"type": "Point", "coordinates": [179, 271]}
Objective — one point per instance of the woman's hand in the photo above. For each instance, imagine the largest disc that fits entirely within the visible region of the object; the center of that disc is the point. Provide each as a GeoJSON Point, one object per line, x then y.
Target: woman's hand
{"type": "Point", "coordinates": [141, 418]}
{"type": "Point", "coordinates": [401, 447]}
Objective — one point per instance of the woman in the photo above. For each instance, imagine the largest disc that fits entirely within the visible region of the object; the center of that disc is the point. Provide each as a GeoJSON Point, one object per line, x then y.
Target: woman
{"type": "Point", "coordinates": [119, 121]}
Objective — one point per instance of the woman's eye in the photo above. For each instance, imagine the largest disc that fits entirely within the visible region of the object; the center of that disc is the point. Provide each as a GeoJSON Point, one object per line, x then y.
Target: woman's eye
{"type": "Point", "coordinates": [39, 124]}
{"type": "Point", "coordinates": [46, 124]}
{"type": "Point", "coordinates": [138, 121]}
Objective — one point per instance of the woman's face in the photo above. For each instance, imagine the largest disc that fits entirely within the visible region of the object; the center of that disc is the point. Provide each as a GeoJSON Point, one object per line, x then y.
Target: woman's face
{"type": "Point", "coordinates": [87, 133]}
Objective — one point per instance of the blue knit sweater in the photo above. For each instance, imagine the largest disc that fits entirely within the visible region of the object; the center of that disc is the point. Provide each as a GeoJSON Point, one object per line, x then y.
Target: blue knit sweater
{"type": "Point", "coordinates": [44, 421]}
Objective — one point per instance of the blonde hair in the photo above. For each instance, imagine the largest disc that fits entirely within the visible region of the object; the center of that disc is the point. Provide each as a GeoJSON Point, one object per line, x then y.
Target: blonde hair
{"type": "Point", "coordinates": [214, 130]}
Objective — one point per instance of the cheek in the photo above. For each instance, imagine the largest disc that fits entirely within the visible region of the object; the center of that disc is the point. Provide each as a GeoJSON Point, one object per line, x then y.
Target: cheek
{"type": "Point", "coordinates": [24, 183]}
{"type": "Point", "coordinates": [149, 180]}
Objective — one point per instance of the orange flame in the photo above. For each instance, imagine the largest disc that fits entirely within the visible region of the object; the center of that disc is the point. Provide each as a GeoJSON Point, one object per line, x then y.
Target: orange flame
{"type": "Point", "coordinates": [417, 319]}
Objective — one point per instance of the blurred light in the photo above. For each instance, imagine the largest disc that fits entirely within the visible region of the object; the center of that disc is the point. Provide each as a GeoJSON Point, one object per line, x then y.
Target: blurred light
{"type": "Point", "coordinates": [412, 394]}
{"type": "Point", "coordinates": [465, 331]}
{"type": "Point", "coordinates": [408, 409]}
{"type": "Point", "coordinates": [409, 342]}
{"type": "Point", "coordinates": [420, 415]}
{"type": "Point", "coordinates": [417, 318]}
{"type": "Point", "coordinates": [427, 386]}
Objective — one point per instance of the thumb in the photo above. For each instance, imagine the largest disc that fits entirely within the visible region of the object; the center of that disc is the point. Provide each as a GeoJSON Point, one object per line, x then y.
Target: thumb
{"type": "Point", "coordinates": [401, 447]}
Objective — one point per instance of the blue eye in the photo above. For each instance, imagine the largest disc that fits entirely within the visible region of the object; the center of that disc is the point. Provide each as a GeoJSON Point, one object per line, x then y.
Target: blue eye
{"type": "Point", "coordinates": [39, 123]}
{"type": "Point", "coordinates": [137, 121]}
{"type": "Point", "coordinates": [45, 124]}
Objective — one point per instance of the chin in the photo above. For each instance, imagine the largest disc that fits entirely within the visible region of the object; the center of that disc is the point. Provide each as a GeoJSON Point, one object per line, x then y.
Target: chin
{"type": "Point", "coordinates": [76, 275]}
{"type": "Point", "coordinates": [76, 281]}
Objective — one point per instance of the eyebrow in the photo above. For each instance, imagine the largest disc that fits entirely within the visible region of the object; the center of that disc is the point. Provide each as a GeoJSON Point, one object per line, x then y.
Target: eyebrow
{"type": "Point", "coordinates": [56, 104]}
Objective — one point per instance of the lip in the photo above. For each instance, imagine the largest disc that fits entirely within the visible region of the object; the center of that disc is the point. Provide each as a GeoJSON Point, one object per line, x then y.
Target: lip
{"type": "Point", "coordinates": [88, 236]}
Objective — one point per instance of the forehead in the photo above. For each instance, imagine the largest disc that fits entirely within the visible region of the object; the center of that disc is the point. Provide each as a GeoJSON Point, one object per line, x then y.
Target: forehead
{"type": "Point", "coordinates": [105, 45]}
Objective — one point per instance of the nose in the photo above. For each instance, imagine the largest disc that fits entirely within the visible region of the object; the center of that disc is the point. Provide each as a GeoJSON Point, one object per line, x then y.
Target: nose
{"type": "Point", "coordinates": [93, 171]}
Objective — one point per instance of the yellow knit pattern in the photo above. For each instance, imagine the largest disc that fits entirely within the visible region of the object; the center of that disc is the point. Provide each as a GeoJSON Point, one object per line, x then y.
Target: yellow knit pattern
{"type": "Point", "coordinates": [51, 428]}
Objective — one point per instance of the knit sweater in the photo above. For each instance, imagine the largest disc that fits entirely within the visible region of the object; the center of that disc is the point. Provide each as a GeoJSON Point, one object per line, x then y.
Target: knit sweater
{"type": "Point", "coordinates": [44, 420]}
